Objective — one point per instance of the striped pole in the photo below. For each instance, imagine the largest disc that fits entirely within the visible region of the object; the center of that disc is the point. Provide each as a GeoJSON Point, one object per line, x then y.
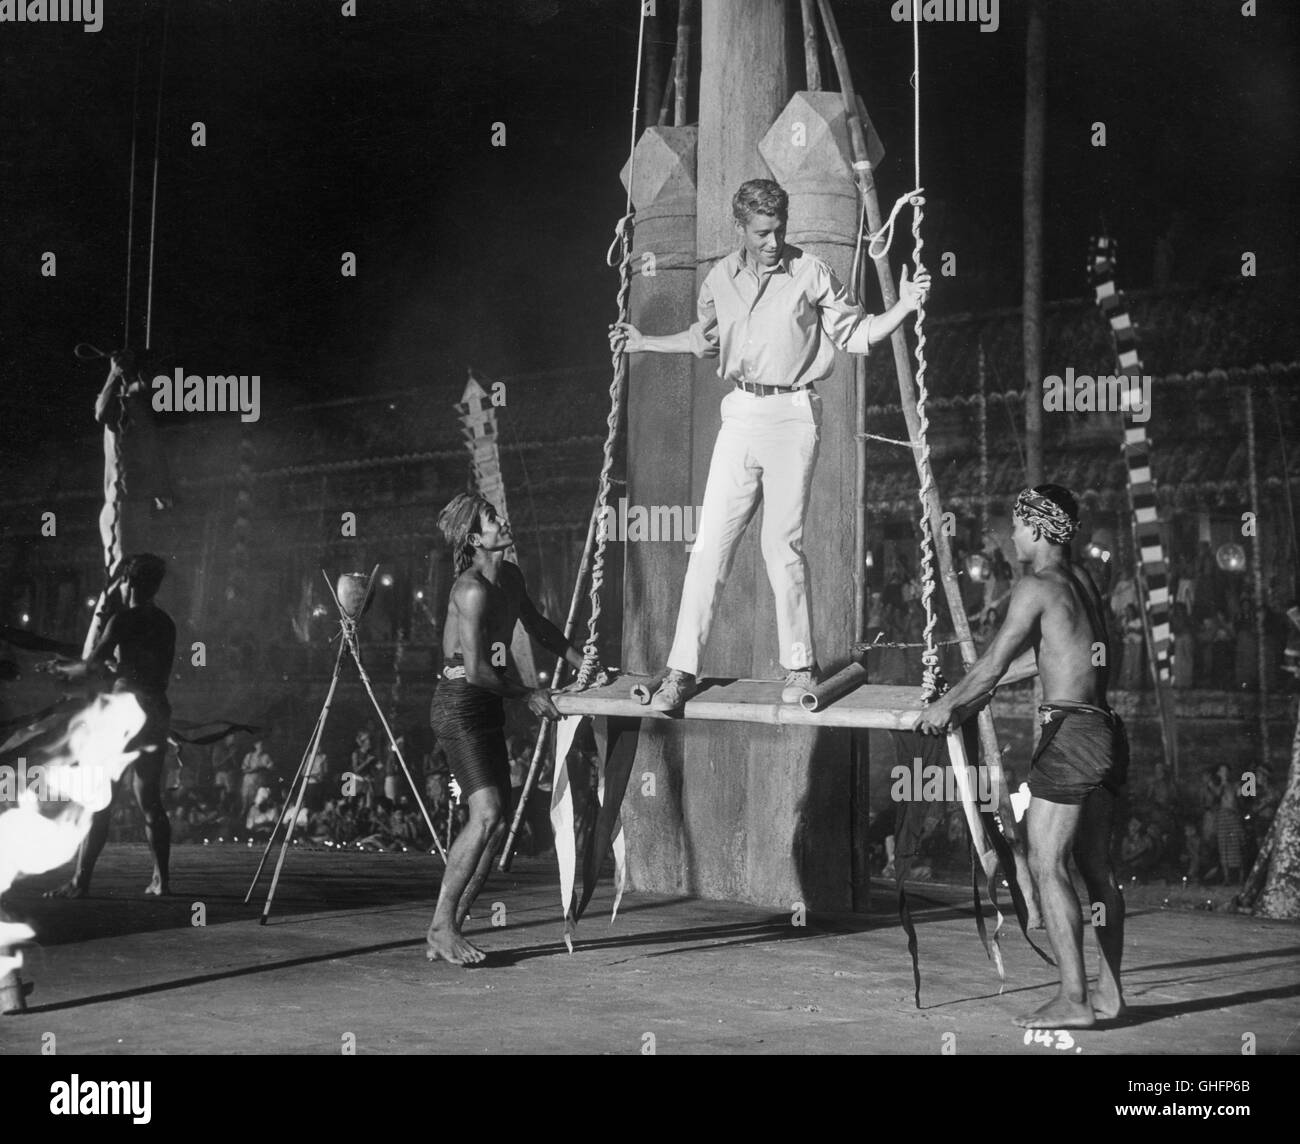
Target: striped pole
{"type": "Point", "coordinates": [1153, 570]}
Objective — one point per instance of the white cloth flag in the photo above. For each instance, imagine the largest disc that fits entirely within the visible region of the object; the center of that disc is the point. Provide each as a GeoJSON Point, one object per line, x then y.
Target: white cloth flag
{"type": "Point", "coordinates": [562, 823]}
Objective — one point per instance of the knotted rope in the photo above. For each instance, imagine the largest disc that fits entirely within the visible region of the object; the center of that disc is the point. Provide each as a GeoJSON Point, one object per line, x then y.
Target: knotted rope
{"type": "Point", "coordinates": [622, 244]}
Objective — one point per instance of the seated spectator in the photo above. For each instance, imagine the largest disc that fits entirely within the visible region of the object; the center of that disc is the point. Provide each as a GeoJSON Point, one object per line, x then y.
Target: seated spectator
{"type": "Point", "coordinates": [317, 775]}
{"type": "Point", "coordinates": [263, 815]}
{"type": "Point", "coordinates": [378, 836]}
{"type": "Point", "coordinates": [347, 824]}
{"type": "Point", "coordinates": [258, 771]}
{"type": "Point", "coordinates": [1139, 851]}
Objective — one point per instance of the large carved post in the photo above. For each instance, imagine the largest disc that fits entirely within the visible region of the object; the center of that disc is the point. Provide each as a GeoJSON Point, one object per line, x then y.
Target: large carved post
{"type": "Point", "coordinates": [659, 404]}
{"type": "Point", "coordinates": [747, 811]}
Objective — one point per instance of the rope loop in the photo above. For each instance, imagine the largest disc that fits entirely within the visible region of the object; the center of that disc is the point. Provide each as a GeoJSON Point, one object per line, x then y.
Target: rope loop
{"type": "Point", "coordinates": [881, 240]}
{"type": "Point", "coordinates": [622, 241]}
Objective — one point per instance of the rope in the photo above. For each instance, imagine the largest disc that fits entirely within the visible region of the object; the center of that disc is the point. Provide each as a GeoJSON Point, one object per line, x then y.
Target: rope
{"type": "Point", "coordinates": [879, 644]}
{"type": "Point", "coordinates": [153, 198]}
{"type": "Point", "coordinates": [623, 233]}
{"type": "Point", "coordinates": [932, 682]}
{"type": "Point", "coordinates": [130, 198]}
{"type": "Point", "coordinates": [885, 234]}
{"type": "Point", "coordinates": [888, 440]}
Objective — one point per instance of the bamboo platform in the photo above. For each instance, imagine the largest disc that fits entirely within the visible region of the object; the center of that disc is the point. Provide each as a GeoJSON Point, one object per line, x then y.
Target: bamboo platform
{"type": "Point", "coordinates": [850, 704]}
{"type": "Point", "coordinates": [755, 701]}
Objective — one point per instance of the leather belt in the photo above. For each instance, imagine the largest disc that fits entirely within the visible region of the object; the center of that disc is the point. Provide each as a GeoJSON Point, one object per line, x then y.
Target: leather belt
{"type": "Point", "coordinates": [771, 390]}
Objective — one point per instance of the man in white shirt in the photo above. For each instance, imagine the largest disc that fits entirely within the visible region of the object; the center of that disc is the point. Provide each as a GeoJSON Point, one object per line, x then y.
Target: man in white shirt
{"type": "Point", "coordinates": [774, 316]}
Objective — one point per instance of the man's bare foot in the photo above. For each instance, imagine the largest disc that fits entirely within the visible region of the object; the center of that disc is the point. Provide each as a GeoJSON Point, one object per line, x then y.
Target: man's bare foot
{"type": "Point", "coordinates": [157, 887]}
{"type": "Point", "coordinates": [72, 889]}
{"type": "Point", "coordinates": [1059, 1013]}
{"type": "Point", "coordinates": [449, 945]}
{"type": "Point", "coordinates": [1107, 1004]}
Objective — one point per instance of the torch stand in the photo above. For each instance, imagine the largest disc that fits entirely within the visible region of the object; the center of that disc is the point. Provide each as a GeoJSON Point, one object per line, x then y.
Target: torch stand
{"type": "Point", "coordinates": [348, 643]}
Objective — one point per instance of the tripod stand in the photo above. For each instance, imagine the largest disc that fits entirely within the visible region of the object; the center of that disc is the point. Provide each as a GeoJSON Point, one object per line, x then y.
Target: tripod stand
{"type": "Point", "coordinates": [349, 615]}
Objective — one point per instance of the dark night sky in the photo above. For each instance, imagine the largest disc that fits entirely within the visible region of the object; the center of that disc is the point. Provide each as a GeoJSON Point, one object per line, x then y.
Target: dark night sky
{"type": "Point", "coordinates": [372, 134]}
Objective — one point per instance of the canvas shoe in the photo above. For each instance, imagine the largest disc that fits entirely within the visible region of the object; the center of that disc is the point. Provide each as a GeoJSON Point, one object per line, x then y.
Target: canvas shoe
{"type": "Point", "coordinates": [676, 689]}
{"type": "Point", "coordinates": [798, 682]}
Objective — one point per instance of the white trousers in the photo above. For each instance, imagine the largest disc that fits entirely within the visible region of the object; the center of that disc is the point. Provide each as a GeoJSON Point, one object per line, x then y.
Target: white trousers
{"type": "Point", "coordinates": [766, 448]}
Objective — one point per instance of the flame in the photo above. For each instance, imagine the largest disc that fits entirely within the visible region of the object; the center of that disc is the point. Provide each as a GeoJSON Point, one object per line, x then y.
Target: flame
{"type": "Point", "coordinates": [80, 774]}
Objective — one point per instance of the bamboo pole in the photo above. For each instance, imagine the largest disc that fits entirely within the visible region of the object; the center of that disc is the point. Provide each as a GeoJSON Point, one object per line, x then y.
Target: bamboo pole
{"type": "Point", "coordinates": [654, 82]}
{"type": "Point", "coordinates": [539, 744]}
{"type": "Point", "coordinates": [313, 745]}
{"type": "Point", "coordinates": [670, 89]}
{"type": "Point", "coordinates": [982, 419]}
{"type": "Point", "coordinates": [907, 394]}
{"type": "Point", "coordinates": [1032, 208]}
{"type": "Point", "coordinates": [1257, 581]}
{"type": "Point", "coordinates": [839, 685]}
{"type": "Point", "coordinates": [682, 62]}
{"type": "Point", "coordinates": [812, 65]}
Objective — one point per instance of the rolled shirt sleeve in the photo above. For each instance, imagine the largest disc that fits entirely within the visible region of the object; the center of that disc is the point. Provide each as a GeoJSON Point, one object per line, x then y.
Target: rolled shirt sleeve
{"type": "Point", "coordinates": [704, 331]}
{"type": "Point", "coordinates": [846, 323]}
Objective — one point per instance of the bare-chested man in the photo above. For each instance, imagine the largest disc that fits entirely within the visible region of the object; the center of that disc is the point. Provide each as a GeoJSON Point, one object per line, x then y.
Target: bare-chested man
{"type": "Point", "coordinates": [135, 651]}
{"type": "Point", "coordinates": [468, 714]}
{"type": "Point", "coordinates": [1082, 760]}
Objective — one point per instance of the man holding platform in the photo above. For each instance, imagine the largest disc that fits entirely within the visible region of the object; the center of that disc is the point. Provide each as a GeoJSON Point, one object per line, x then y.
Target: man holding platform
{"type": "Point", "coordinates": [774, 316]}
{"type": "Point", "coordinates": [1082, 759]}
{"type": "Point", "coordinates": [468, 714]}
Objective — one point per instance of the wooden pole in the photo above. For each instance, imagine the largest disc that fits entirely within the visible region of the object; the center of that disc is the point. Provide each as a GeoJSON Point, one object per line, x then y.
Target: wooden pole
{"type": "Point", "coordinates": [1035, 129]}
{"type": "Point", "coordinates": [907, 394]}
{"type": "Point", "coordinates": [983, 421]}
{"type": "Point", "coordinates": [539, 744]}
{"type": "Point", "coordinates": [670, 90]}
{"type": "Point", "coordinates": [1257, 581]}
{"type": "Point", "coordinates": [682, 62]}
{"type": "Point", "coordinates": [655, 80]}
{"type": "Point", "coordinates": [812, 65]}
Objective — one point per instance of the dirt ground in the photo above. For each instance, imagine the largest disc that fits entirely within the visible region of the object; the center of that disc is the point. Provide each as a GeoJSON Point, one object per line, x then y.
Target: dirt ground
{"type": "Point", "coordinates": [343, 958]}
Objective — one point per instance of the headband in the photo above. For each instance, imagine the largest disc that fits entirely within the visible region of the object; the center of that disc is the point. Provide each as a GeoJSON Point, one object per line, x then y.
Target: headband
{"type": "Point", "coordinates": [1045, 517]}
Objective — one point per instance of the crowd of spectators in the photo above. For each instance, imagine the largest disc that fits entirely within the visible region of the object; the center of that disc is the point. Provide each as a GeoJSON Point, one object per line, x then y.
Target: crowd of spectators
{"type": "Point", "coordinates": [1203, 830]}
{"type": "Point", "coordinates": [236, 791]}
{"type": "Point", "coordinates": [1215, 639]}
